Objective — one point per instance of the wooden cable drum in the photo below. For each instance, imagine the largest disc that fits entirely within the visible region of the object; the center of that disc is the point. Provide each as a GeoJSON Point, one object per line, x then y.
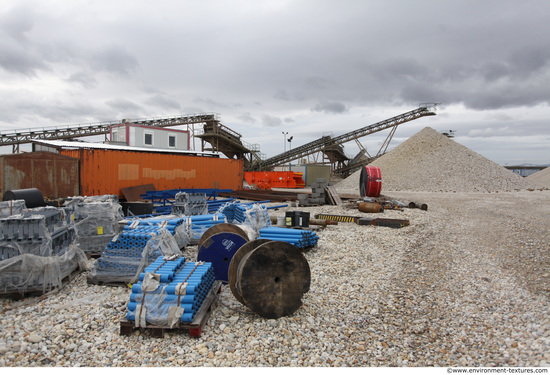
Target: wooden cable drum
{"type": "Point", "coordinates": [224, 227]}
{"type": "Point", "coordinates": [271, 279]}
{"type": "Point", "coordinates": [236, 260]}
{"type": "Point", "coordinates": [219, 249]}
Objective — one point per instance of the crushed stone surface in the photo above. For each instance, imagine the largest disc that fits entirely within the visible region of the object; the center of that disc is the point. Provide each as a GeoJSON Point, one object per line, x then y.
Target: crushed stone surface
{"type": "Point", "coordinates": [467, 283]}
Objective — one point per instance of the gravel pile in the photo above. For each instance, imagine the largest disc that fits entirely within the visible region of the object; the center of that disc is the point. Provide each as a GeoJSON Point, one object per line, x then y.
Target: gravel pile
{"type": "Point", "coordinates": [541, 178]}
{"type": "Point", "coordinates": [430, 161]}
{"type": "Point", "coordinates": [465, 284]}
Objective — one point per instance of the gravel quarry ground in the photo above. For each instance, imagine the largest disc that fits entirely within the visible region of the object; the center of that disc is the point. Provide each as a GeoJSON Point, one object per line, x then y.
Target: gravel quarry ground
{"type": "Point", "coordinates": [467, 283]}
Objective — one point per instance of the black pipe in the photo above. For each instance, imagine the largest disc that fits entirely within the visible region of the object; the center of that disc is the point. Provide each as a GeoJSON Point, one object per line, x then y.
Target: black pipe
{"type": "Point", "coordinates": [32, 197]}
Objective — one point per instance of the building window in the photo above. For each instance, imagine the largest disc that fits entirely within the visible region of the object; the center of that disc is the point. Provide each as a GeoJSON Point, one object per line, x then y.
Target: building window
{"type": "Point", "coordinates": [148, 139]}
{"type": "Point", "coordinates": [172, 141]}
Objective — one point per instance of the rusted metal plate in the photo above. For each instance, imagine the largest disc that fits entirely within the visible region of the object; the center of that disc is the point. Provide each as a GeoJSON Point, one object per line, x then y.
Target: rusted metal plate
{"type": "Point", "coordinates": [133, 193]}
{"type": "Point", "coordinates": [56, 176]}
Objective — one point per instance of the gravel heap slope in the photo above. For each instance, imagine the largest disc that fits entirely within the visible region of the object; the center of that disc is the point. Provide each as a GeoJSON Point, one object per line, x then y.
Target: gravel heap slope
{"type": "Point", "coordinates": [541, 178]}
{"type": "Point", "coordinates": [430, 161]}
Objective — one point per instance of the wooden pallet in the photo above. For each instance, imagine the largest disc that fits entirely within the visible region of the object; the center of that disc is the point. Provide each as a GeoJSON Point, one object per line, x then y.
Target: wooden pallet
{"type": "Point", "coordinates": [194, 328]}
{"type": "Point", "coordinates": [333, 196]}
{"type": "Point", "coordinates": [109, 280]}
{"type": "Point", "coordinates": [38, 292]}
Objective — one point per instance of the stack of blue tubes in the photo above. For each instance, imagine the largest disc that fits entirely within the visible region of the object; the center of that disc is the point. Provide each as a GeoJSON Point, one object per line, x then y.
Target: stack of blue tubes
{"type": "Point", "coordinates": [122, 257]}
{"type": "Point", "coordinates": [188, 283]}
{"type": "Point", "coordinates": [198, 224]}
{"type": "Point", "coordinates": [236, 212]}
{"type": "Point", "coordinates": [169, 225]}
{"type": "Point", "coordinates": [297, 237]}
{"type": "Point", "coordinates": [214, 206]}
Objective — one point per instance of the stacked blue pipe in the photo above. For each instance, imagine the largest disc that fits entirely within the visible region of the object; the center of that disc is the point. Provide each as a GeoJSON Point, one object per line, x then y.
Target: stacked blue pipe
{"type": "Point", "coordinates": [297, 237]}
{"type": "Point", "coordinates": [124, 255]}
{"type": "Point", "coordinates": [164, 199]}
{"type": "Point", "coordinates": [236, 212]}
{"type": "Point", "coordinates": [198, 224]}
{"type": "Point", "coordinates": [189, 283]}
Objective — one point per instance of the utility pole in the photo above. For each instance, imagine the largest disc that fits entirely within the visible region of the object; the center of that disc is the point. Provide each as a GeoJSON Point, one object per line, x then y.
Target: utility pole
{"type": "Point", "coordinates": [290, 148]}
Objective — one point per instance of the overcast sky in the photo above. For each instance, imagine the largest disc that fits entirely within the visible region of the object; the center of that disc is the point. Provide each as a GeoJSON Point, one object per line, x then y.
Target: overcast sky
{"type": "Point", "coordinates": [306, 67]}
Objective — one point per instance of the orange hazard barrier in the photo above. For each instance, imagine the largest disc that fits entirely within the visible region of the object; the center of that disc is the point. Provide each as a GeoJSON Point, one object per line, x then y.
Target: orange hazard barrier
{"type": "Point", "coordinates": [267, 180]}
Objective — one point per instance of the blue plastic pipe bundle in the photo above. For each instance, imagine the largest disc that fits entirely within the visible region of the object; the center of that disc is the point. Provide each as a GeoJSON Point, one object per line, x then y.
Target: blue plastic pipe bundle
{"type": "Point", "coordinates": [199, 223]}
{"type": "Point", "coordinates": [235, 212]}
{"type": "Point", "coordinates": [297, 237]}
{"type": "Point", "coordinates": [169, 225]}
{"type": "Point", "coordinates": [181, 284]}
{"type": "Point", "coordinates": [123, 255]}
{"type": "Point", "coordinates": [214, 206]}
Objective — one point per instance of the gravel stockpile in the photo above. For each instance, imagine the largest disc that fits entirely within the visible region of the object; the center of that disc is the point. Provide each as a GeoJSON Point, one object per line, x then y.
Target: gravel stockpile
{"type": "Point", "coordinates": [541, 178]}
{"type": "Point", "coordinates": [430, 161]}
{"type": "Point", "coordinates": [465, 284]}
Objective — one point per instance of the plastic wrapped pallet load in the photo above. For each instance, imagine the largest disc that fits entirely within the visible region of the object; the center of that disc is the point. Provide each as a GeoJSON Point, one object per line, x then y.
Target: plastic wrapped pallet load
{"type": "Point", "coordinates": [37, 251]}
{"type": "Point", "coordinates": [96, 220]}
{"type": "Point", "coordinates": [130, 252]}
{"type": "Point", "coordinates": [34, 273]}
{"type": "Point", "coordinates": [170, 292]}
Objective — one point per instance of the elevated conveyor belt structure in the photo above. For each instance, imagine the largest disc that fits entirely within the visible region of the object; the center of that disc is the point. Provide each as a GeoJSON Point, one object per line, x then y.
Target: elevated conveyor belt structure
{"type": "Point", "coordinates": [327, 143]}
{"type": "Point", "coordinates": [68, 132]}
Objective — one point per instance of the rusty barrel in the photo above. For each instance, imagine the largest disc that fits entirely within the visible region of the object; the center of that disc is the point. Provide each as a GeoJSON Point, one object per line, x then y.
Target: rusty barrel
{"type": "Point", "coordinates": [370, 207]}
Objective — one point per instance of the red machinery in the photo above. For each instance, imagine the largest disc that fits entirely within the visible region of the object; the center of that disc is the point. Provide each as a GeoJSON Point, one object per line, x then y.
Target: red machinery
{"type": "Point", "coordinates": [267, 180]}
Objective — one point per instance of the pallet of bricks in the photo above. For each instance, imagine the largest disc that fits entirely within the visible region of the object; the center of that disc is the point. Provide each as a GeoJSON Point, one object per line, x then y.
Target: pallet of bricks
{"type": "Point", "coordinates": [96, 221]}
{"type": "Point", "coordinates": [37, 249]}
{"type": "Point", "coordinates": [317, 197]}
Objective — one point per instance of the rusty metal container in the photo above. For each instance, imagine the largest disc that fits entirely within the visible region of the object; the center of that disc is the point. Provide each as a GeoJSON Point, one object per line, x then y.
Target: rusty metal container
{"type": "Point", "coordinates": [56, 176]}
{"type": "Point", "coordinates": [109, 171]}
{"type": "Point", "coordinates": [370, 207]}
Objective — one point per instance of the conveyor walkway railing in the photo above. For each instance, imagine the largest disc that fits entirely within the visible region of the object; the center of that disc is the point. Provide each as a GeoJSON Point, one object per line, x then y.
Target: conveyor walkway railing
{"type": "Point", "coordinates": [327, 141]}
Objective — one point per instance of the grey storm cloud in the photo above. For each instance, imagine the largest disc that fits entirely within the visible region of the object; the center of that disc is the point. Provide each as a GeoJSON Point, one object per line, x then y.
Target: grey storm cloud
{"type": "Point", "coordinates": [271, 121]}
{"type": "Point", "coordinates": [164, 101]}
{"type": "Point", "coordinates": [124, 107]}
{"type": "Point", "coordinates": [332, 107]}
{"type": "Point", "coordinates": [307, 63]}
{"type": "Point", "coordinates": [113, 59]}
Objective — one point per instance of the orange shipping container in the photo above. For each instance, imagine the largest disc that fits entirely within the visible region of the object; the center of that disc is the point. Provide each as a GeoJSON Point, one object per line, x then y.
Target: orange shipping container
{"type": "Point", "coordinates": [108, 171]}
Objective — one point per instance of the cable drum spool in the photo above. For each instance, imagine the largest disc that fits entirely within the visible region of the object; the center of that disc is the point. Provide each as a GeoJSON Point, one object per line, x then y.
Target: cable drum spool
{"type": "Point", "coordinates": [219, 247]}
{"type": "Point", "coordinates": [32, 197]}
{"type": "Point", "coordinates": [370, 181]}
{"type": "Point", "coordinates": [223, 227]}
{"type": "Point", "coordinates": [236, 260]}
{"type": "Point", "coordinates": [270, 278]}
